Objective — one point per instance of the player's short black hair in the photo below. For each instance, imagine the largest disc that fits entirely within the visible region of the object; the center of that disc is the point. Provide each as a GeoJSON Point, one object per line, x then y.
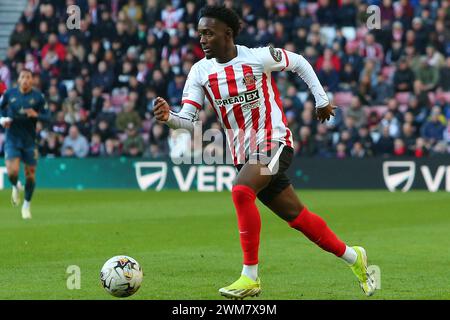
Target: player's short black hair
{"type": "Point", "coordinates": [222, 13]}
{"type": "Point", "coordinates": [27, 70]}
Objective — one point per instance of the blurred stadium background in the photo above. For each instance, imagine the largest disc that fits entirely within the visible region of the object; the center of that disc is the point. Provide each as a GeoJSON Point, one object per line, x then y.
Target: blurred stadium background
{"type": "Point", "coordinates": [391, 131]}
{"type": "Point", "coordinates": [392, 84]}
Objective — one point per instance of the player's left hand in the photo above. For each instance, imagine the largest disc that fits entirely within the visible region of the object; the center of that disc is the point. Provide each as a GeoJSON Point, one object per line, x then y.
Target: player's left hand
{"type": "Point", "coordinates": [31, 113]}
{"type": "Point", "coordinates": [325, 113]}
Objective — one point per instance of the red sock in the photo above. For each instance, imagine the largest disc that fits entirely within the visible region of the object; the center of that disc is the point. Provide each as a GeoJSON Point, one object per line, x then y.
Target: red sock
{"type": "Point", "coordinates": [316, 230]}
{"type": "Point", "coordinates": [249, 222]}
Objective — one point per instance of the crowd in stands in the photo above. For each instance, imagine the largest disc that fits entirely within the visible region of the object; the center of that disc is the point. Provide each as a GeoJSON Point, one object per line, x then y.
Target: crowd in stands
{"type": "Point", "coordinates": [391, 84]}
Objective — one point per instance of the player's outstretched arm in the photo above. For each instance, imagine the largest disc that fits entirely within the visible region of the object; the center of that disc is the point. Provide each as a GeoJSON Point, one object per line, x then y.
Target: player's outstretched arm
{"type": "Point", "coordinates": [275, 59]}
{"type": "Point", "coordinates": [182, 120]}
{"type": "Point", "coordinates": [301, 66]}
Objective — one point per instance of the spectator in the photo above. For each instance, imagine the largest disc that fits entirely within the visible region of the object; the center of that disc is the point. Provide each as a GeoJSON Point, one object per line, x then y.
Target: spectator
{"type": "Point", "coordinates": [444, 76]}
{"type": "Point", "coordinates": [352, 57]}
{"type": "Point", "coordinates": [108, 28]}
{"type": "Point", "coordinates": [96, 147]}
{"type": "Point", "coordinates": [263, 36]}
{"type": "Point", "coordinates": [420, 149]}
{"type": "Point", "coordinates": [171, 16]}
{"type": "Point", "coordinates": [70, 68]}
{"type": "Point", "coordinates": [399, 147]}
{"type": "Point", "coordinates": [357, 112]}
{"type": "Point", "coordinates": [71, 107]}
{"type": "Point", "coordinates": [419, 113]}
{"type": "Point", "coordinates": [383, 91]}
{"type": "Point", "coordinates": [348, 78]}
{"type": "Point", "coordinates": [329, 78]}
{"type": "Point", "coordinates": [51, 146]}
{"type": "Point", "coordinates": [326, 13]}
{"type": "Point", "coordinates": [4, 73]}
{"type": "Point", "coordinates": [322, 140]}
{"type": "Point", "coordinates": [366, 141]}
{"type": "Point", "coordinates": [419, 90]}
{"type": "Point", "coordinates": [306, 145]}
{"type": "Point", "coordinates": [341, 151]}
{"type": "Point", "coordinates": [96, 103]}
{"type": "Point", "coordinates": [434, 58]}
{"type": "Point", "coordinates": [112, 148]}
{"type": "Point", "coordinates": [329, 56]}
{"type": "Point", "coordinates": [128, 116]}
{"type": "Point", "coordinates": [104, 77]}
{"type": "Point", "coordinates": [385, 145]}
{"type": "Point", "coordinates": [54, 47]}
{"type": "Point", "coordinates": [358, 150]}
{"type": "Point", "coordinates": [392, 124]}
{"type": "Point", "coordinates": [152, 12]}
{"type": "Point", "coordinates": [75, 144]}
{"type": "Point", "coordinates": [20, 36]}
{"type": "Point", "coordinates": [347, 14]}
{"type": "Point", "coordinates": [403, 77]}
{"type": "Point", "coordinates": [409, 137]}
{"type": "Point", "coordinates": [433, 129]}
{"type": "Point", "coordinates": [394, 109]}
{"type": "Point", "coordinates": [158, 140]}
{"type": "Point", "coordinates": [83, 123]}
{"type": "Point", "coordinates": [427, 74]}
{"type": "Point", "coordinates": [421, 35]}
{"type": "Point", "coordinates": [372, 50]}
{"type": "Point", "coordinates": [175, 90]}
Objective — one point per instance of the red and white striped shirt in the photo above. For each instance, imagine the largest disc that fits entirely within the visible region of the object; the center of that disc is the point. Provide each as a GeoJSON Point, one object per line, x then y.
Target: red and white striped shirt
{"type": "Point", "coordinates": [245, 97]}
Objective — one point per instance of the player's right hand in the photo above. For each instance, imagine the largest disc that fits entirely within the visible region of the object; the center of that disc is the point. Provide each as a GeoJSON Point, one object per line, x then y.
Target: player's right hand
{"type": "Point", "coordinates": [161, 109]}
{"type": "Point", "coordinates": [5, 122]}
{"type": "Point", "coordinates": [31, 113]}
{"type": "Point", "coordinates": [325, 113]}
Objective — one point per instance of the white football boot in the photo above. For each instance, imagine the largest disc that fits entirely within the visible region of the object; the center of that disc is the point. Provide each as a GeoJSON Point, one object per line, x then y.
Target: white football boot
{"type": "Point", "coordinates": [15, 196]}
{"type": "Point", "coordinates": [26, 212]}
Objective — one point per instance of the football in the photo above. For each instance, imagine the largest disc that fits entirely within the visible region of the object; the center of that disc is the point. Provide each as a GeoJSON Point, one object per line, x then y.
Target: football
{"type": "Point", "coordinates": [121, 276]}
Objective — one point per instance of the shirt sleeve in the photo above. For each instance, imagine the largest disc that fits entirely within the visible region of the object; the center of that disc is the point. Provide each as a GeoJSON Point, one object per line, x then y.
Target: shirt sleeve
{"type": "Point", "coordinates": [193, 93]}
{"type": "Point", "coordinates": [185, 119]}
{"type": "Point", "coordinates": [276, 59]}
{"type": "Point", "coordinates": [3, 104]}
{"type": "Point", "coordinates": [43, 110]}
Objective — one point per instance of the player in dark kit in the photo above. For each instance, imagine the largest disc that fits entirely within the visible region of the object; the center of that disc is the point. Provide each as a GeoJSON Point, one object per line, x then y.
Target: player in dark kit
{"type": "Point", "coordinates": [238, 83]}
{"type": "Point", "coordinates": [21, 108]}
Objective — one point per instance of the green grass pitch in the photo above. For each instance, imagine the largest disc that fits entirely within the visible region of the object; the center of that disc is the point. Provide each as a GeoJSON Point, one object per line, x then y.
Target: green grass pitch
{"type": "Point", "coordinates": [188, 244]}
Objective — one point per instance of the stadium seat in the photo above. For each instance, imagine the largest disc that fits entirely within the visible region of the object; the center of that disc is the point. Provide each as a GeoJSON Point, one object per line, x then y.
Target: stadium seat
{"type": "Point", "coordinates": [312, 7]}
{"type": "Point", "coordinates": [146, 125]}
{"type": "Point", "coordinates": [349, 33]}
{"type": "Point", "coordinates": [445, 95]}
{"type": "Point", "coordinates": [403, 108]}
{"type": "Point", "coordinates": [145, 137]}
{"type": "Point", "coordinates": [388, 71]}
{"type": "Point", "coordinates": [119, 97]}
{"type": "Point", "coordinates": [69, 84]}
{"type": "Point", "coordinates": [328, 34]}
{"type": "Point", "coordinates": [343, 99]}
{"type": "Point", "coordinates": [402, 97]}
{"type": "Point", "coordinates": [432, 97]}
{"type": "Point", "coordinates": [302, 95]}
{"type": "Point", "coordinates": [379, 109]}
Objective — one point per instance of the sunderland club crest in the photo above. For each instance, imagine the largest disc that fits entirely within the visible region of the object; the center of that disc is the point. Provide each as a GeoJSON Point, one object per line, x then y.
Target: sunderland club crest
{"type": "Point", "coordinates": [276, 54]}
{"type": "Point", "coordinates": [249, 79]}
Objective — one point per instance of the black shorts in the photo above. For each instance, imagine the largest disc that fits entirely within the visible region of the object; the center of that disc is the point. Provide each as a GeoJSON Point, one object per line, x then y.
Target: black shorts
{"type": "Point", "coordinates": [278, 159]}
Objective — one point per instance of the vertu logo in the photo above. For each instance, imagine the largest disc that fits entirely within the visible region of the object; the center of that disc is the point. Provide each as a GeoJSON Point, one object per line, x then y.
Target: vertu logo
{"type": "Point", "coordinates": [151, 173]}
{"type": "Point", "coordinates": [396, 173]}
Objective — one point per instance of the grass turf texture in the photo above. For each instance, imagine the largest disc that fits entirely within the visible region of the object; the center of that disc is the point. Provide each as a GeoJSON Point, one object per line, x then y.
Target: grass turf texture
{"type": "Point", "coordinates": [188, 244]}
